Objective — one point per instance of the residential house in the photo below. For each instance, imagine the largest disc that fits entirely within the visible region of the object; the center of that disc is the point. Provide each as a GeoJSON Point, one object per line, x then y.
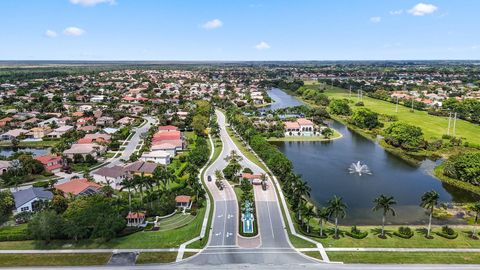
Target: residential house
{"type": "Point", "coordinates": [13, 134]}
{"type": "Point", "coordinates": [104, 121]}
{"type": "Point", "coordinates": [112, 176]}
{"type": "Point", "coordinates": [39, 132]}
{"type": "Point", "coordinates": [160, 157]}
{"type": "Point", "coordinates": [26, 200]}
{"type": "Point", "coordinates": [301, 127]}
{"type": "Point", "coordinates": [125, 121]}
{"type": "Point", "coordinates": [51, 163]}
{"type": "Point", "coordinates": [58, 132]}
{"type": "Point", "coordinates": [141, 167]}
{"type": "Point", "coordinates": [92, 149]}
{"type": "Point", "coordinates": [79, 187]}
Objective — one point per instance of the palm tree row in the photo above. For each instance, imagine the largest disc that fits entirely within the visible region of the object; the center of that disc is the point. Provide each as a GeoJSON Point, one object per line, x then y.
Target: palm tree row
{"type": "Point", "coordinates": [336, 209]}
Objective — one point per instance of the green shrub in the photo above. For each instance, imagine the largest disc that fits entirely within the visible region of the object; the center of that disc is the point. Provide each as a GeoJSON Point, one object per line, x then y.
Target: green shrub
{"type": "Point", "coordinates": [447, 233]}
{"type": "Point", "coordinates": [42, 184]}
{"type": "Point", "coordinates": [404, 232]}
{"type": "Point", "coordinates": [14, 233]}
{"type": "Point", "coordinates": [356, 233]}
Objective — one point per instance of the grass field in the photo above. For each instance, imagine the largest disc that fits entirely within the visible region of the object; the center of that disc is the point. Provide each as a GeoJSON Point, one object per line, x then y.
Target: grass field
{"type": "Point", "coordinates": [77, 259]}
{"type": "Point", "coordinates": [176, 221]}
{"type": "Point", "coordinates": [406, 257]}
{"type": "Point", "coordinates": [160, 239]}
{"type": "Point", "coordinates": [417, 241]}
{"type": "Point", "coordinates": [432, 126]}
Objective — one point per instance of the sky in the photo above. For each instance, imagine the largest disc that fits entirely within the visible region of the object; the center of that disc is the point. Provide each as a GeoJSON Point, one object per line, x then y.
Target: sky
{"type": "Point", "coordinates": [239, 30]}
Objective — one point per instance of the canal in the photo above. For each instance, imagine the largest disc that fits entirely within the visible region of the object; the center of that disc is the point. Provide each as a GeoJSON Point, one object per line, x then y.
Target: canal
{"type": "Point", "coordinates": [324, 165]}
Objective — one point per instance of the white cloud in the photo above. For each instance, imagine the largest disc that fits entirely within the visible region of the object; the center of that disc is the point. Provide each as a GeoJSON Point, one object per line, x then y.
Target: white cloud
{"type": "Point", "coordinates": [91, 3]}
{"type": "Point", "coordinates": [73, 31]}
{"type": "Point", "coordinates": [421, 9]}
{"type": "Point", "coordinates": [376, 19]}
{"type": "Point", "coordinates": [215, 23]}
{"type": "Point", "coordinates": [262, 46]}
{"type": "Point", "coordinates": [396, 12]}
{"type": "Point", "coordinates": [51, 34]}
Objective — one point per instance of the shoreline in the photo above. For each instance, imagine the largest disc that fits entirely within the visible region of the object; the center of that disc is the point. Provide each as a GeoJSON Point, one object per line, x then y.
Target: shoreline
{"type": "Point", "coordinates": [398, 152]}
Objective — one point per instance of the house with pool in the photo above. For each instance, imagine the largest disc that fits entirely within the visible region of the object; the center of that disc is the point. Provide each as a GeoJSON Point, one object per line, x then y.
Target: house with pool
{"type": "Point", "coordinates": [301, 127]}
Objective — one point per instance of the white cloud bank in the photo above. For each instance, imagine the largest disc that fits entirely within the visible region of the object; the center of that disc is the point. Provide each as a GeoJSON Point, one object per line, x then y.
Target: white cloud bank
{"type": "Point", "coordinates": [376, 19]}
{"type": "Point", "coordinates": [91, 3]}
{"type": "Point", "coordinates": [421, 9]}
{"type": "Point", "coordinates": [73, 31]}
{"type": "Point", "coordinates": [51, 34]}
{"type": "Point", "coordinates": [262, 46]}
{"type": "Point", "coordinates": [213, 24]}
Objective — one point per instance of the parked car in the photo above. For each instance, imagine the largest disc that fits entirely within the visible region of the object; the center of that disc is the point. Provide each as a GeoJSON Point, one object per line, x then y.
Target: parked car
{"type": "Point", "coordinates": [209, 178]}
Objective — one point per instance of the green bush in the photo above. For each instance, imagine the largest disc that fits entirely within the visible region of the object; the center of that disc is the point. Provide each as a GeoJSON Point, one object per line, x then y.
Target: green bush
{"type": "Point", "coordinates": [42, 184]}
{"type": "Point", "coordinates": [14, 233]}
{"type": "Point", "coordinates": [356, 233]}
{"type": "Point", "coordinates": [404, 232]}
{"type": "Point", "coordinates": [447, 233]}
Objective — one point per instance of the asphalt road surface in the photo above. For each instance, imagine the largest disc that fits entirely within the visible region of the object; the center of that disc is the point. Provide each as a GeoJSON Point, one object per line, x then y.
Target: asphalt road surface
{"type": "Point", "coordinates": [223, 247]}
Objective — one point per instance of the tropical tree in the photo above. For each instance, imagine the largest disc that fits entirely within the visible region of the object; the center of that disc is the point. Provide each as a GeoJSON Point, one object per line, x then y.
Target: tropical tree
{"type": "Point", "coordinates": [301, 189]}
{"type": "Point", "coordinates": [308, 213]}
{"type": "Point", "coordinates": [128, 184]}
{"type": "Point", "coordinates": [429, 202]}
{"type": "Point", "coordinates": [322, 215]}
{"type": "Point", "coordinates": [336, 209]}
{"type": "Point", "coordinates": [475, 208]}
{"type": "Point", "coordinates": [384, 203]}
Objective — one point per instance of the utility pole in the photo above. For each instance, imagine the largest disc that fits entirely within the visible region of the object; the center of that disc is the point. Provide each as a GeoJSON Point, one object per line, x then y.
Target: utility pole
{"type": "Point", "coordinates": [396, 106]}
{"type": "Point", "coordinates": [454, 123]}
{"type": "Point", "coordinates": [449, 119]}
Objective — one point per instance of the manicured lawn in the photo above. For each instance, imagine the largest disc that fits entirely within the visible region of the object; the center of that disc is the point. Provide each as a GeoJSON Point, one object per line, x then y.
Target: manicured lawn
{"type": "Point", "coordinates": [417, 241]}
{"type": "Point", "coordinates": [160, 239]}
{"type": "Point", "coordinates": [175, 221]}
{"type": "Point", "coordinates": [406, 257]}
{"type": "Point", "coordinates": [432, 126]}
{"type": "Point", "coordinates": [156, 257]}
{"type": "Point", "coordinates": [80, 259]}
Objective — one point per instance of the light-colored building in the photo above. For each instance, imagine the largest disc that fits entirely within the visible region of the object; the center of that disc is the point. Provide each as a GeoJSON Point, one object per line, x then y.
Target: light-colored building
{"type": "Point", "coordinates": [301, 127]}
{"type": "Point", "coordinates": [160, 157]}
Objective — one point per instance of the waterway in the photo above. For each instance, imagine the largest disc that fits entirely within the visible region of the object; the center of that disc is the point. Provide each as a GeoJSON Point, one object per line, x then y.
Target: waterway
{"type": "Point", "coordinates": [324, 165]}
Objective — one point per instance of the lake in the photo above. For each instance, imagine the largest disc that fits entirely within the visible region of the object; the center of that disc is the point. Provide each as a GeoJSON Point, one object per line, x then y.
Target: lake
{"type": "Point", "coordinates": [324, 165]}
{"type": "Point", "coordinates": [8, 151]}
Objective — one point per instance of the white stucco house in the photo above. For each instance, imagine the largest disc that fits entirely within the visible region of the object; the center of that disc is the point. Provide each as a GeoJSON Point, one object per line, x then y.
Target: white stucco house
{"type": "Point", "coordinates": [159, 157]}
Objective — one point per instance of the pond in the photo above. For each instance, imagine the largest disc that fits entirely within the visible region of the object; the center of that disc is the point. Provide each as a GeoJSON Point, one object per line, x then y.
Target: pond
{"type": "Point", "coordinates": [8, 151]}
{"type": "Point", "coordinates": [324, 165]}
{"type": "Point", "coordinates": [280, 99]}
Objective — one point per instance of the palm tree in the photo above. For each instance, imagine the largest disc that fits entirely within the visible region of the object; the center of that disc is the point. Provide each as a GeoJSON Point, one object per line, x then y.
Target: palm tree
{"type": "Point", "coordinates": [301, 190]}
{"type": "Point", "coordinates": [233, 157]}
{"type": "Point", "coordinates": [336, 209]}
{"type": "Point", "coordinates": [308, 214]}
{"type": "Point", "coordinates": [128, 184]}
{"type": "Point", "coordinates": [385, 203]}
{"type": "Point", "coordinates": [429, 202]}
{"type": "Point", "coordinates": [476, 209]}
{"type": "Point", "coordinates": [322, 215]}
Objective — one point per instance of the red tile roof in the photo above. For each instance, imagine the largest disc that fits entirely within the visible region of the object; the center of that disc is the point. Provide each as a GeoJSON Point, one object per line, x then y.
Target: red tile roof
{"type": "Point", "coordinates": [182, 199]}
{"type": "Point", "coordinates": [135, 215]}
{"type": "Point", "coordinates": [76, 186]}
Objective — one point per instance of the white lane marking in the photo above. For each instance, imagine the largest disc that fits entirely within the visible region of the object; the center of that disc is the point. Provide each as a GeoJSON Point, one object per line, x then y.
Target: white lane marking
{"type": "Point", "coordinates": [269, 217]}
{"type": "Point", "coordinates": [225, 222]}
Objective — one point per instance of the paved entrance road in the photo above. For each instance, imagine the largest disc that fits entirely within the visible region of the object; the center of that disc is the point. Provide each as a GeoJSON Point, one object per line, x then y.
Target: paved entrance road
{"type": "Point", "coordinates": [223, 247]}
